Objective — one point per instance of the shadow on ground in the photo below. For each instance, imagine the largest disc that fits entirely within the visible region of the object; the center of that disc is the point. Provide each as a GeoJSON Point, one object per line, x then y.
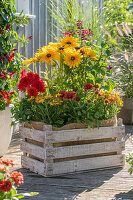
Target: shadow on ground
{"type": "Point", "coordinates": [65, 187]}
{"type": "Point", "coordinates": [125, 195]}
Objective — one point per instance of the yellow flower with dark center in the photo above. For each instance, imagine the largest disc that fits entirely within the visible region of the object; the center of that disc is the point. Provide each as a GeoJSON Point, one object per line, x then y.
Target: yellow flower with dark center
{"type": "Point", "coordinates": [69, 41]}
{"type": "Point", "coordinates": [39, 99]}
{"type": "Point", "coordinates": [29, 61]}
{"type": "Point", "coordinates": [72, 58]}
{"type": "Point", "coordinates": [89, 53]}
{"type": "Point", "coordinates": [48, 54]}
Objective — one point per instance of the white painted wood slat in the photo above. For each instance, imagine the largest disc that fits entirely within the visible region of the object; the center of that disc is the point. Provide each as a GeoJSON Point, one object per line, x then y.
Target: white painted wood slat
{"type": "Point", "coordinates": [88, 149]}
{"type": "Point", "coordinates": [88, 164]}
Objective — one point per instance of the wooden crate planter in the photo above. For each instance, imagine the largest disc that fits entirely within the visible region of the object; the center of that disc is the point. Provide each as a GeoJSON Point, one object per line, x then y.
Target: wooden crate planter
{"type": "Point", "coordinates": [51, 153]}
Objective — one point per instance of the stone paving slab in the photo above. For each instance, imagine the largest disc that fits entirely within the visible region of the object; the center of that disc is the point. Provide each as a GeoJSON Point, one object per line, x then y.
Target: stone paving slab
{"type": "Point", "coordinates": [113, 184]}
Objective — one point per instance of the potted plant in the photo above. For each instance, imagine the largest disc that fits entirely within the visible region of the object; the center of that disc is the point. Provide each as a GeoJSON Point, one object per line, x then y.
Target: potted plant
{"type": "Point", "coordinates": [74, 93]}
{"type": "Point", "coordinates": [9, 67]}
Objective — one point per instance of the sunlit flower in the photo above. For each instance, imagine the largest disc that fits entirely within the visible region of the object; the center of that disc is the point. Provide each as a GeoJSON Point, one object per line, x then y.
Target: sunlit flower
{"type": "Point", "coordinates": [72, 58]}
{"type": "Point", "coordinates": [5, 186]}
{"type": "Point", "coordinates": [48, 54]}
{"type": "Point", "coordinates": [70, 96]}
{"type": "Point", "coordinates": [69, 41]}
{"type": "Point", "coordinates": [89, 53]}
{"type": "Point", "coordinates": [6, 162]}
{"type": "Point", "coordinates": [29, 61]}
{"type": "Point", "coordinates": [32, 91]}
{"type": "Point", "coordinates": [17, 177]}
{"type": "Point", "coordinates": [3, 170]}
{"type": "Point", "coordinates": [88, 86]}
{"type": "Point", "coordinates": [39, 99]}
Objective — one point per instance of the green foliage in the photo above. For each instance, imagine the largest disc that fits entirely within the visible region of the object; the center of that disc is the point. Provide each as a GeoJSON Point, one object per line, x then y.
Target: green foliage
{"type": "Point", "coordinates": [123, 76]}
{"type": "Point", "coordinates": [66, 13]}
{"type": "Point", "coordinates": [130, 7]}
{"type": "Point", "coordinates": [129, 159]}
{"type": "Point", "coordinates": [116, 11]}
{"type": "Point", "coordinates": [69, 111]}
{"type": "Point", "coordinates": [10, 62]}
{"type": "Point", "coordinates": [122, 61]}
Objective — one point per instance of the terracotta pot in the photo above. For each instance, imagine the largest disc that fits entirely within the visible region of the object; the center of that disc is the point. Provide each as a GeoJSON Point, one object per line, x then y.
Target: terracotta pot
{"type": "Point", "coordinates": [5, 130]}
{"type": "Point", "coordinates": [126, 113]}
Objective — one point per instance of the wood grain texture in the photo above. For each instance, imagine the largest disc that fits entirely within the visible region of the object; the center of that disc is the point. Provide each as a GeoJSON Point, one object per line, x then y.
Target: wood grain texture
{"type": "Point", "coordinates": [84, 134]}
{"type": "Point", "coordinates": [88, 164]}
{"type": "Point", "coordinates": [32, 134]}
{"type": "Point", "coordinates": [85, 150]}
{"type": "Point", "coordinates": [88, 149]}
{"type": "Point", "coordinates": [33, 150]}
{"type": "Point", "coordinates": [33, 165]}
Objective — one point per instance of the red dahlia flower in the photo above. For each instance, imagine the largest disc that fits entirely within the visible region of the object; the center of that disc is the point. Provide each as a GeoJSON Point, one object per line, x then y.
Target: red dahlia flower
{"type": "Point", "coordinates": [24, 83]}
{"type": "Point", "coordinates": [39, 85]}
{"type": "Point", "coordinates": [5, 186]}
{"type": "Point", "coordinates": [17, 177]}
{"type": "Point", "coordinates": [36, 76]}
{"type": "Point", "coordinates": [31, 76]}
{"type": "Point", "coordinates": [88, 86]}
{"type": "Point", "coordinates": [32, 92]}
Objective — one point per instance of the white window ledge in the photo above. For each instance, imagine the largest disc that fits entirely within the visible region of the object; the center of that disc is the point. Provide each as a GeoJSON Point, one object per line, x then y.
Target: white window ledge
{"type": "Point", "coordinates": [27, 15]}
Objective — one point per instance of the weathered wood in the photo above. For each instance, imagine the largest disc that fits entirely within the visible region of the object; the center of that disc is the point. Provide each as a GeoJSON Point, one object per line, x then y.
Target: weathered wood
{"type": "Point", "coordinates": [32, 134]}
{"type": "Point", "coordinates": [33, 149]}
{"type": "Point", "coordinates": [68, 151]}
{"type": "Point", "coordinates": [33, 165]}
{"type": "Point", "coordinates": [88, 163]}
{"type": "Point", "coordinates": [88, 149]}
{"type": "Point", "coordinates": [84, 134]}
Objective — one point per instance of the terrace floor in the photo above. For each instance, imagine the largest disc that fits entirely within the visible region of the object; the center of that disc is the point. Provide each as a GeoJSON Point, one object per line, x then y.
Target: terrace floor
{"type": "Point", "coordinates": [109, 184]}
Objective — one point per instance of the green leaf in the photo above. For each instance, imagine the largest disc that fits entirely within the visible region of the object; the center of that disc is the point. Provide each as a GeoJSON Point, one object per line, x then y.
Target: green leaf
{"type": "Point", "coordinates": [109, 85]}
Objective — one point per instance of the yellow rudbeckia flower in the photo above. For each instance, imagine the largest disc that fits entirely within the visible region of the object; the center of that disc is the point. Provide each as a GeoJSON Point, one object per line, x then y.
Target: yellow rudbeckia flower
{"type": "Point", "coordinates": [69, 41]}
{"type": "Point", "coordinates": [48, 54]}
{"type": "Point", "coordinates": [29, 61]}
{"type": "Point", "coordinates": [89, 53]}
{"type": "Point", "coordinates": [72, 58]}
